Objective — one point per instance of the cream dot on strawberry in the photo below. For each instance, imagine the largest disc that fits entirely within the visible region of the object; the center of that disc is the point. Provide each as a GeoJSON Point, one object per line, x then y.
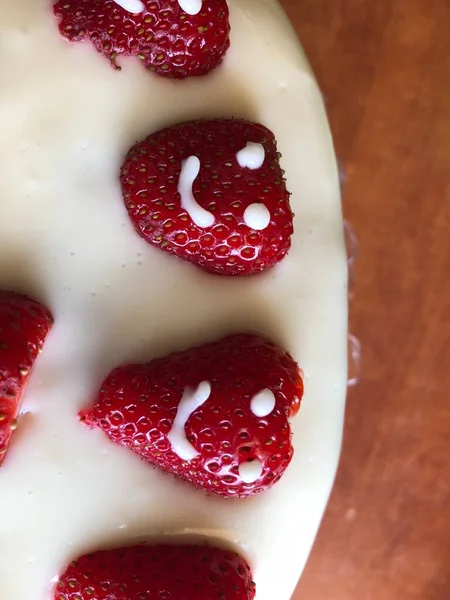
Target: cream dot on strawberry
{"type": "Point", "coordinates": [257, 216]}
{"type": "Point", "coordinates": [250, 471]}
{"type": "Point", "coordinates": [159, 411]}
{"type": "Point", "coordinates": [191, 7]}
{"type": "Point", "coordinates": [252, 156]}
{"type": "Point", "coordinates": [213, 188]}
{"type": "Point", "coordinates": [175, 40]}
{"type": "Point", "coordinates": [191, 400]}
{"type": "Point", "coordinates": [133, 6]}
{"type": "Point", "coordinates": [189, 173]}
{"type": "Point", "coordinates": [263, 403]}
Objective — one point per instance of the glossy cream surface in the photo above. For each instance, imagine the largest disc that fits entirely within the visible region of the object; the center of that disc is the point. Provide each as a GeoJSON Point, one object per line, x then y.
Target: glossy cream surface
{"type": "Point", "coordinates": [66, 121]}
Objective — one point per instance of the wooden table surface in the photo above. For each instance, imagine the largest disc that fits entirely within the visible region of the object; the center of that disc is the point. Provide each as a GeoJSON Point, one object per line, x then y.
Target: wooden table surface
{"type": "Point", "coordinates": [384, 68]}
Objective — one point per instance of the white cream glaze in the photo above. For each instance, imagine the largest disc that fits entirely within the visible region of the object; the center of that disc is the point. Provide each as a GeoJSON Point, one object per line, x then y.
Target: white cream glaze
{"type": "Point", "coordinates": [191, 400]}
{"type": "Point", "coordinates": [189, 172]}
{"type": "Point", "coordinates": [252, 156]}
{"type": "Point", "coordinates": [191, 7]}
{"type": "Point", "coordinates": [133, 6]}
{"type": "Point", "coordinates": [257, 216]}
{"type": "Point", "coordinates": [251, 470]}
{"type": "Point", "coordinates": [67, 121]}
{"type": "Point", "coordinates": [263, 403]}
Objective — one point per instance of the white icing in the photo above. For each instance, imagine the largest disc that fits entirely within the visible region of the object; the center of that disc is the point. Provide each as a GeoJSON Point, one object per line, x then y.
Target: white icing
{"type": "Point", "coordinates": [189, 172]}
{"type": "Point", "coordinates": [191, 7]}
{"type": "Point", "coordinates": [65, 237]}
{"type": "Point", "coordinates": [257, 216]}
{"type": "Point", "coordinates": [252, 156]}
{"type": "Point", "coordinates": [191, 400]}
{"type": "Point", "coordinates": [263, 403]}
{"type": "Point", "coordinates": [250, 471]}
{"type": "Point", "coordinates": [132, 6]}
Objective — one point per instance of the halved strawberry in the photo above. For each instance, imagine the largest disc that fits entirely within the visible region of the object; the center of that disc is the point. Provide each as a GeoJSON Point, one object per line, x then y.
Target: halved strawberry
{"type": "Point", "coordinates": [216, 416]}
{"type": "Point", "coordinates": [160, 572]}
{"type": "Point", "coordinates": [174, 38]}
{"type": "Point", "coordinates": [24, 325]}
{"type": "Point", "coordinates": [212, 193]}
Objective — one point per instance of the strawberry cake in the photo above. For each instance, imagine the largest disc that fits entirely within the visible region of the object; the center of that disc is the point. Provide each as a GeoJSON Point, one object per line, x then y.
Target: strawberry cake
{"type": "Point", "coordinates": [173, 301]}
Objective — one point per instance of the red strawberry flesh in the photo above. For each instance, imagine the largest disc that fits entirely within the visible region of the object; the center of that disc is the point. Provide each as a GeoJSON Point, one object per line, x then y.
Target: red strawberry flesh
{"type": "Point", "coordinates": [161, 572]}
{"type": "Point", "coordinates": [24, 325]}
{"type": "Point", "coordinates": [164, 37]}
{"type": "Point", "coordinates": [137, 406]}
{"type": "Point", "coordinates": [150, 178]}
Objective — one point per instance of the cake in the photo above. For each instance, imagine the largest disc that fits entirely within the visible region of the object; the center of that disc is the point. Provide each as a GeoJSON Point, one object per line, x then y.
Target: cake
{"type": "Point", "coordinates": [68, 121]}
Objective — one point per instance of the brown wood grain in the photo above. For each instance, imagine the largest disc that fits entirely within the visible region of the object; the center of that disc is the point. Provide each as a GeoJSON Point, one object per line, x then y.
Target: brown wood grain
{"type": "Point", "coordinates": [384, 68]}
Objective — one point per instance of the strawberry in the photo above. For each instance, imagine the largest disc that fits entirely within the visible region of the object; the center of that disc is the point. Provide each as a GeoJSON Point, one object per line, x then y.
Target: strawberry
{"type": "Point", "coordinates": [212, 193]}
{"type": "Point", "coordinates": [160, 572]}
{"type": "Point", "coordinates": [216, 416]}
{"type": "Point", "coordinates": [163, 34]}
{"type": "Point", "coordinates": [24, 325]}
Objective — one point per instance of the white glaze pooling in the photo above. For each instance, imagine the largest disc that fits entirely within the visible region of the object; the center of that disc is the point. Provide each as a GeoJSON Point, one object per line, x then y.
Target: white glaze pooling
{"type": "Point", "coordinates": [252, 156]}
{"type": "Point", "coordinates": [66, 238]}
{"type": "Point", "coordinates": [251, 470]}
{"type": "Point", "coordinates": [191, 400]}
{"type": "Point", "coordinates": [191, 7]}
{"type": "Point", "coordinates": [189, 172]}
{"type": "Point", "coordinates": [132, 6]}
{"type": "Point", "coordinates": [263, 403]}
{"type": "Point", "coordinates": [257, 216]}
